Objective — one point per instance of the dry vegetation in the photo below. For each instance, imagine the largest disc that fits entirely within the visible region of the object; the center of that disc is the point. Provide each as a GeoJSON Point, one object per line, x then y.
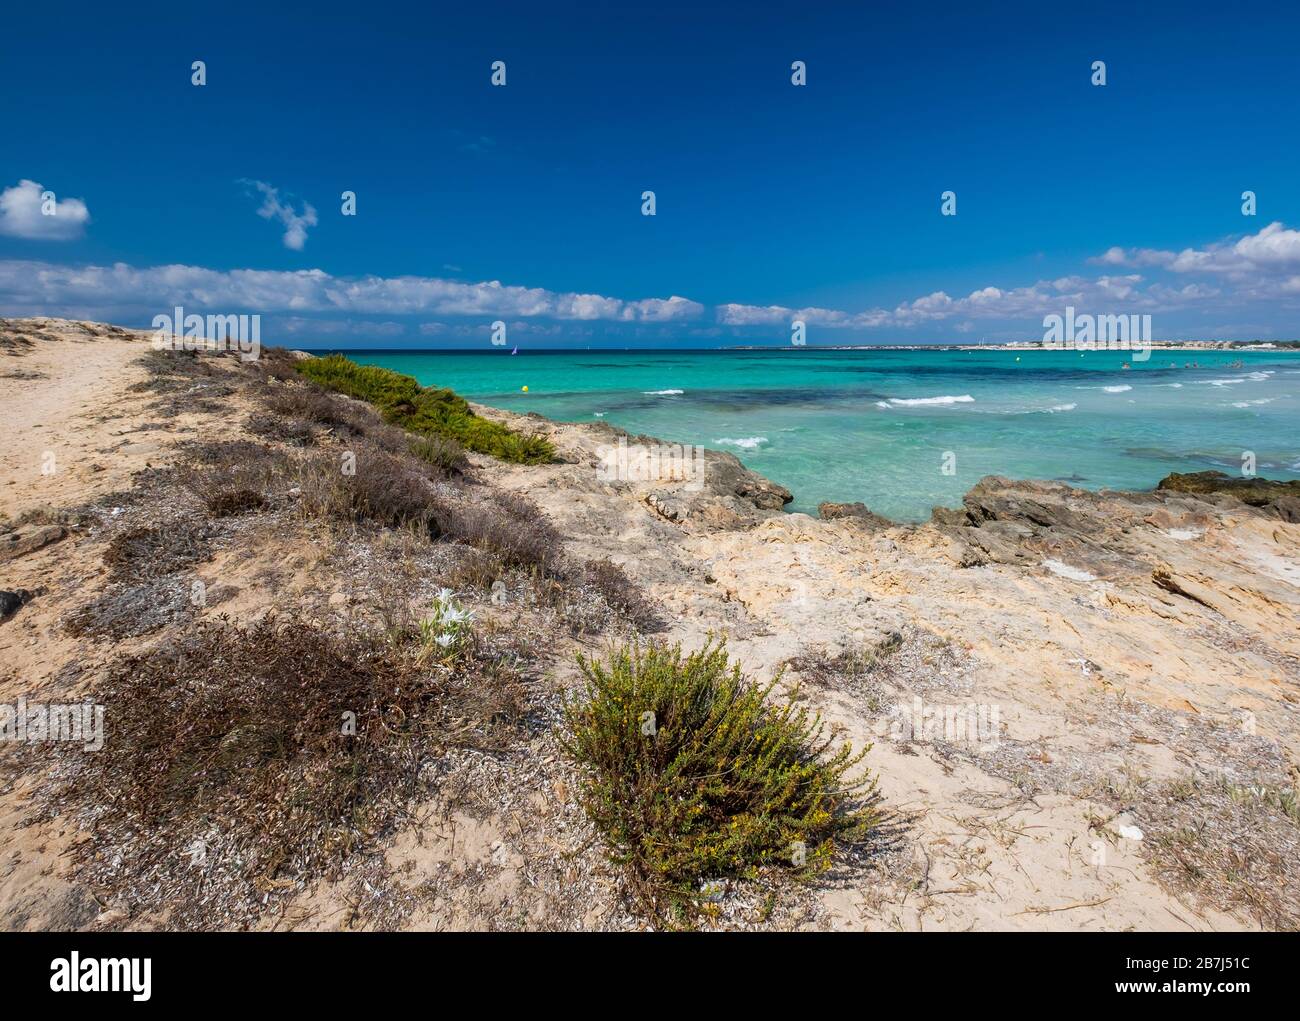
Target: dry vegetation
{"type": "Point", "coordinates": [284, 746]}
{"type": "Point", "coordinates": [281, 747]}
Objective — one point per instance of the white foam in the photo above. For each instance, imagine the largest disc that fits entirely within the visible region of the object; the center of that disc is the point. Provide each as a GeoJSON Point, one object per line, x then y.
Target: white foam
{"type": "Point", "coordinates": [1060, 407]}
{"type": "Point", "coordinates": [744, 443]}
{"type": "Point", "coordinates": [907, 402]}
{"type": "Point", "coordinates": [1122, 388]}
{"type": "Point", "coordinates": [662, 393]}
{"type": "Point", "coordinates": [1066, 571]}
{"type": "Point", "coordinates": [1248, 404]}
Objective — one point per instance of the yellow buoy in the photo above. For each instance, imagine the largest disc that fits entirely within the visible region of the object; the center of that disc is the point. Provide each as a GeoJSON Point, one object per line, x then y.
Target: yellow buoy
{"type": "Point", "coordinates": [525, 389]}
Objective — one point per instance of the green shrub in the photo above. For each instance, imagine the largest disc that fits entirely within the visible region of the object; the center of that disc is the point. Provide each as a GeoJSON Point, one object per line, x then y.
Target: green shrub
{"type": "Point", "coordinates": [431, 411]}
{"type": "Point", "coordinates": [691, 774]}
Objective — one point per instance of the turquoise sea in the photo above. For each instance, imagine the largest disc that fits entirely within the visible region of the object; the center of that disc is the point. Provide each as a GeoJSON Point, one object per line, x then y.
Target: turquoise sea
{"type": "Point", "coordinates": [875, 425]}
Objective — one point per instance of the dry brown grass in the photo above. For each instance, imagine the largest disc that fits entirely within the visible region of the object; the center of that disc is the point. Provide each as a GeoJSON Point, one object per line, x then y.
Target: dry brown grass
{"type": "Point", "coordinates": [269, 751]}
{"type": "Point", "coordinates": [151, 552]}
{"type": "Point", "coordinates": [367, 484]}
{"type": "Point", "coordinates": [292, 431]}
{"type": "Point", "coordinates": [508, 526]}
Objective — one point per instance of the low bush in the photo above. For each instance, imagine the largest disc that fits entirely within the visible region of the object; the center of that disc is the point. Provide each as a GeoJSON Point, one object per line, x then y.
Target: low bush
{"type": "Point", "coordinates": [151, 552]}
{"type": "Point", "coordinates": [370, 485]}
{"type": "Point", "coordinates": [509, 527]}
{"type": "Point", "coordinates": [429, 411]}
{"type": "Point", "coordinates": [226, 503]}
{"type": "Point", "coordinates": [444, 454]}
{"type": "Point", "coordinates": [622, 595]}
{"type": "Point", "coordinates": [692, 774]}
{"type": "Point", "coordinates": [293, 431]}
{"type": "Point", "coordinates": [293, 743]}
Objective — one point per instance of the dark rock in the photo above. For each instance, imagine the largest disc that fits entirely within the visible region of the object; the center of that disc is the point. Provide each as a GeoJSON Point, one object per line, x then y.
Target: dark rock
{"type": "Point", "coordinates": [855, 511]}
{"type": "Point", "coordinates": [16, 544]}
{"type": "Point", "coordinates": [724, 474]}
{"type": "Point", "coordinates": [1281, 498]}
{"type": "Point", "coordinates": [12, 602]}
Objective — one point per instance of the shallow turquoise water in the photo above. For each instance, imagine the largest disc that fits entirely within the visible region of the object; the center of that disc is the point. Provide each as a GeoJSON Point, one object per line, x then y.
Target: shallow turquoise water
{"type": "Point", "coordinates": [837, 425]}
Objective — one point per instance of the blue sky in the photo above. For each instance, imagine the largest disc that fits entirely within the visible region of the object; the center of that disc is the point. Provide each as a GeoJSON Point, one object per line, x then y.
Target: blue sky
{"type": "Point", "coordinates": [773, 202]}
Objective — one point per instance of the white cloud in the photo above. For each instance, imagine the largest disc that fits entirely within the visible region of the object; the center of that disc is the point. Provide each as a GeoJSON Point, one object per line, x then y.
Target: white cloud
{"type": "Point", "coordinates": [660, 310]}
{"type": "Point", "coordinates": [1259, 267]}
{"type": "Point", "coordinates": [295, 224]}
{"type": "Point", "coordinates": [1274, 250]}
{"type": "Point", "coordinates": [1102, 295]}
{"type": "Point", "coordinates": [21, 214]}
{"type": "Point", "coordinates": [778, 315]}
{"type": "Point", "coordinates": [121, 290]}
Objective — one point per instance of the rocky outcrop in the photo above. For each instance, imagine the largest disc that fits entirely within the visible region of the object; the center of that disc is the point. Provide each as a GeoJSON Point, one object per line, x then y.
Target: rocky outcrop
{"type": "Point", "coordinates": [856, 512]}
{"type": "Point", "coordinates": [1204, 549]}
{"type": "Point", "coordinates": [1279, 498]}
{"type": "Point", "coordinates": [689, 486]}
{"type": "Point", "coordinates": [17, 544]}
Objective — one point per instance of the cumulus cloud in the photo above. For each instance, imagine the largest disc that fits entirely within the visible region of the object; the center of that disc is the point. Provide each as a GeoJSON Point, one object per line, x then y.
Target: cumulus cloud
{"type": "Point", "coordinates": [295, 224]}
{"type": "Point", "coordinates": [779, 315]}
{"type": "Point", "coordinates": [22, 214]}
{"type": "Point", "coordinates": [1274, 250]}
{"type": "Point", "coordinates": [122, 289]}
{"type": "Point", "coordinates": [1126, 293]}
{"type": "Point", "coordinates": [662, 310]}
{"type": "Point", "coordinates": [1261, 266]}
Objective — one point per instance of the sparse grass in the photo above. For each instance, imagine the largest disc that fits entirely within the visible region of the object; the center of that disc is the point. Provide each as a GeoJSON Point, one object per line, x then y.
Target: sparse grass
{"type": "Point", "coordinates": [428, 411]}
{"type": "Point", "coordinates": [1235, 848]}
{"type": "Point", "coordinates": [293, 431]}
{"type": "Point", "coordinates": [692, 774]}
{"type": "Point", "coordinates": [381, 488]}
{"type": "Point", "coordinates": [509, 527]}
{"type": "Point", "coordinates": [622, 595]}
{"type": "Point", "coordinates": [276, 750]}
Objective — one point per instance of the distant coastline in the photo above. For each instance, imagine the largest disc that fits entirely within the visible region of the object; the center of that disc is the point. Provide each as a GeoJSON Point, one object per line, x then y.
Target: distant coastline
{"type": "Point", "coordinates": [1015, 345]}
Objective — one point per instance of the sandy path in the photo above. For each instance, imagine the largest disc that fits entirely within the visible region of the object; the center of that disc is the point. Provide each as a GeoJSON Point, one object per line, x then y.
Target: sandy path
{"type": "Point", "coordinates": [57, 433]}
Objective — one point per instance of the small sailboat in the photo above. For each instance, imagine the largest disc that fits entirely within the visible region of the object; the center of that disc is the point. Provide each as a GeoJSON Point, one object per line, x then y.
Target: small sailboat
{"type": "Point", "coordinates": [516, 350]}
